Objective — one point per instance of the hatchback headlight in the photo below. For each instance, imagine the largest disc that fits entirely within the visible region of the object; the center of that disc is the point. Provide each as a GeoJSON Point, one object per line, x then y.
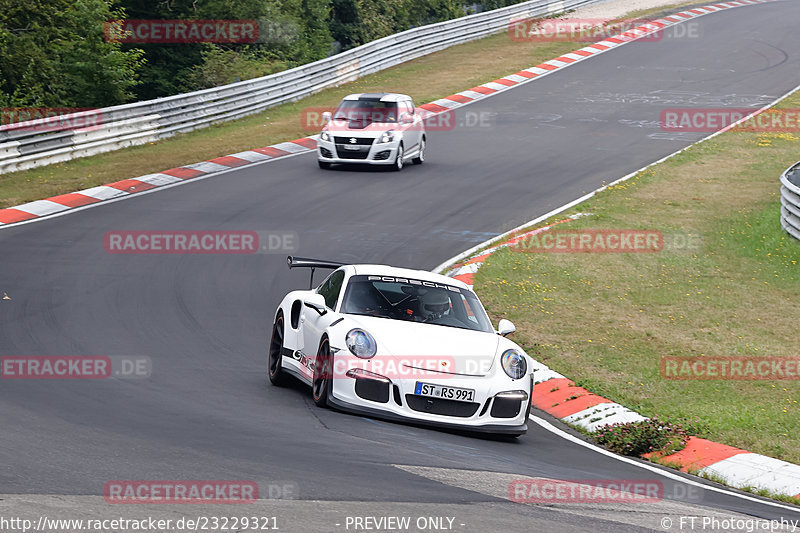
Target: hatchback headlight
{"type": "Point", "coordinates": [386, 137]}
{"type": "Point", "coordinates": [361, 344]}
{"type": "Point", "coordinates": [324, 136]}
{"type": "Point", "coordinates": [514, 364]}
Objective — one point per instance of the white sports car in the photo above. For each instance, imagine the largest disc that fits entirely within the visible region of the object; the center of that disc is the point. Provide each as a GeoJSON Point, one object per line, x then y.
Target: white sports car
{"type": "Point", "coordinates": [401, 344]}
{"type": "Point", "coordinates": [373, 129]}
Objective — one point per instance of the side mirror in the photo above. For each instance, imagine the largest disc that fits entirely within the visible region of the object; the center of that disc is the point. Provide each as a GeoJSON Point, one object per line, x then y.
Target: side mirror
{"type": "Point", "coordinates": [326, 117]}
{"type": "Point", "coordinates": [406, 118]}
{"type": "Point", "coordinates": [316, 302]}
{"type": "Point", "coordinates": [505, 327]}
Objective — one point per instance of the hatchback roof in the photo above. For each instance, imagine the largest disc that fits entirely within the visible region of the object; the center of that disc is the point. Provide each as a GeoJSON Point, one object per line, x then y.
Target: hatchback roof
{"type": "Point", "coordinates": [377, 97]}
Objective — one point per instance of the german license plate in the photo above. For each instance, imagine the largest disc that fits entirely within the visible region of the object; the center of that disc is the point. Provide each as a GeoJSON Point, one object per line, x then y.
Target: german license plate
{"type": "Point", "coordinates": [353, 147]}
{"type": "Point", "coordinates": [447, 393]}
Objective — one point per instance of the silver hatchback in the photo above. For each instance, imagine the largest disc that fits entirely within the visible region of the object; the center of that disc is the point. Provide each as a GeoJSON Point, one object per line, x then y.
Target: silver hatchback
{"type": "Point", "coordinates": [372, 129]}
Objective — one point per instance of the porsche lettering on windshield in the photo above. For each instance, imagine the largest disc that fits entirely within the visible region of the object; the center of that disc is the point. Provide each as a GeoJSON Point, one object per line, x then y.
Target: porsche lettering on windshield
{"type": "Point", "coordinates": [415, 282]}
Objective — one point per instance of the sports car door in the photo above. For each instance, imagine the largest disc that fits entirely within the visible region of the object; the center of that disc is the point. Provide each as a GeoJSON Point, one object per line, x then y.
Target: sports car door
{"type": "Point", "coordinates": [315, 324]}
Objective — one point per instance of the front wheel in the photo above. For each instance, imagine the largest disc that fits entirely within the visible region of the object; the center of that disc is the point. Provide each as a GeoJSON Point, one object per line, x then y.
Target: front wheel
{"type": "Point", "coordinates": [323, 374]}
{"type": "Point", "coordinates": [421, 155]}
{"type": "Point", "coordinates": [277, 376]}
{"type": "Point", "coordinates": [398, 161]}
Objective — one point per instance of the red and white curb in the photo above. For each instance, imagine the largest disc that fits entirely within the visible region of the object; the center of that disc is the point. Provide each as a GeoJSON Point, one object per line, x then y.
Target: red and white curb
{"type": "Point", "coordinates": [737, 468]}
{"type": "Point", "coordinates": [61, 204]}
{"type": "Point", "coordinates": [132, 186]}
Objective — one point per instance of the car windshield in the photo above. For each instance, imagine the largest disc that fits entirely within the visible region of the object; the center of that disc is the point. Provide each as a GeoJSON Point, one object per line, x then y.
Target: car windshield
{"type": "Point", "coordinates": [366, 111]}
{"type": "Point", "coordinates": [416, 301]}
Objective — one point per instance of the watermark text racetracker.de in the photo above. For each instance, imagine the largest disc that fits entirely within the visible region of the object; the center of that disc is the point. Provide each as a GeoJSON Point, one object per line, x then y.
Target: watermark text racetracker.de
{"type": "Point", "coordinates": [181, 31]}
{"type": "Point", "coordinates": [312, 120]}
{"type": "Point", "coordinates": [605, 241]}
{"type": "Point", "coordinates": [730, 368]}
{"type": "Point", "coordinates": [592, 30]}
{"type": "Point", "coordinates": [180, 491]}
{"type": "Point", "coordinates": [200, 242]}
{"type": "Point", "coordinates": [44, 119]}
{"type": "Point", "coordinates": [396, 367]}
{"type": "Point", "coordinates": [542, 490]}
{"type": "Point", "coordinates": [711, 119]}
{"type": "Point", "coordinates": [74, 367]}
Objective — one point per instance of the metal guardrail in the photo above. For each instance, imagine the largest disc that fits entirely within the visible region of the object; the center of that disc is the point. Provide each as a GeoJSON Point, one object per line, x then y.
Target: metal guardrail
{"type": "Point", "coordinates": [23, 147]}
{"type": "Point", "coordinates": [790, 200]}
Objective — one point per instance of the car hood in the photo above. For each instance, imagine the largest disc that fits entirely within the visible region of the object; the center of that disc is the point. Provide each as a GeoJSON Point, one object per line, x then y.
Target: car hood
{"type": "Point", "coordinates": [462, 351]}
{"type": "Point", "coordinates": [342, 128]}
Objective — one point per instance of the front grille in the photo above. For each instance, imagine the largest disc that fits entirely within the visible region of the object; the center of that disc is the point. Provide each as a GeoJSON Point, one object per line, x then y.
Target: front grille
{"type": "Point", "coordinates": [351, 154]}
{"type": "Point", "coordinates": [362, 141]}
{"type": "Point", "coordinates": [439, 406]}
{"type": "Point", "coordinates": [326, 153]}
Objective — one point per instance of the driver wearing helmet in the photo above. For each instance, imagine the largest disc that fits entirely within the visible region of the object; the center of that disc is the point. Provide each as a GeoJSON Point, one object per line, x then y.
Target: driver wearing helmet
{"type": "Point", "coordinates": [433, 304]}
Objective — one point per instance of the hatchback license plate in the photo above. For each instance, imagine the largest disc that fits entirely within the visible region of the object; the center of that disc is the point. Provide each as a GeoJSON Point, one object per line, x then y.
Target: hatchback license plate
{"type": "Point", "coordinates": [447, 393]}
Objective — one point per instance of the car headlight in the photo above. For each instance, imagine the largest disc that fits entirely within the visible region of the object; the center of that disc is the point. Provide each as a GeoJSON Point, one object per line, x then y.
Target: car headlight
{"type": "Point", "coordinates": [361, 344]}
{"type": "Point", "coordinates": [324, 136]}
{"type": "Point", "coordinates": [386, 137]}
{"type": "Point", "coordinates": [514, 364]}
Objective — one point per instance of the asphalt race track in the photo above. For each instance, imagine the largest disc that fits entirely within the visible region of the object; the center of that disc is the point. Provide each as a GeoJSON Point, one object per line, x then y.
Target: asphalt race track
{"type": "Point", "coordinates": [207, 412]}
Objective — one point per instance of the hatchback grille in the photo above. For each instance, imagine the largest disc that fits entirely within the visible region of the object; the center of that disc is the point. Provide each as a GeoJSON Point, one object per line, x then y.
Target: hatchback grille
{"type": "Point", "coordinates": [363, 141]}
{"type": "Point", "coordinates": [351, 154]}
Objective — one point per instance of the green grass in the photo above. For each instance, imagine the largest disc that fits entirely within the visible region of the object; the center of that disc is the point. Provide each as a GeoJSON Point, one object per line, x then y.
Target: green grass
{"type": "Point", "coordinates": [605, 320]}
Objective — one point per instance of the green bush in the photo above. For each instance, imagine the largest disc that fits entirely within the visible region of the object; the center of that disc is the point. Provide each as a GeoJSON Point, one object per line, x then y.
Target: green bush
{"type": "Point", "coordinates": [651, 435]}
{"type": "Point", "coordinates": [221, 66]}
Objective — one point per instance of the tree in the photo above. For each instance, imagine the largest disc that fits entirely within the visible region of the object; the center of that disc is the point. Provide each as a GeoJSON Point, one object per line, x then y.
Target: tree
{"type": "Point", "coordinates": [53, 53]}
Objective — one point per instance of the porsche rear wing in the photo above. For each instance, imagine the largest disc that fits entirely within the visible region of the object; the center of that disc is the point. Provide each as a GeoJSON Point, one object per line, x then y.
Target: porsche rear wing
{"type": "Point", "coordinates": [313, 264]}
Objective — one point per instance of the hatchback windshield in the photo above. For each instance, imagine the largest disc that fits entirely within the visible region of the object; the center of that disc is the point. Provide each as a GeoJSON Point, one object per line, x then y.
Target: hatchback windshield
{"type": "Point", "coordinates": [416, 301]}
{"type": "Point", "coordinates": [366, 111]}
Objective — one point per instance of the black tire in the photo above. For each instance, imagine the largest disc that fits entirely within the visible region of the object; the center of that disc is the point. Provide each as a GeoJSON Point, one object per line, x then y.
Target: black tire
{"type": "Point", "coordinates": [421, 156]}
{"type": "Point", "coordinates": [277, 376]}
{"type": "Point", "coordinates": [398, 160]}
{"type": "Point", "coordinates": [323, 373]}
{"type": "Point", "coordinates": [324, 164]}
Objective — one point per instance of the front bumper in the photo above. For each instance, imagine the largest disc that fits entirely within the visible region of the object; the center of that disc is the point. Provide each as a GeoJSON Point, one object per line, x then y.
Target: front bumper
{"type": "Point", "coordinates": [374, 154]}
{"type": "Point", "coordinates": [492, 411]}
{"type": "Point", "coordinates": [496, 429]}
